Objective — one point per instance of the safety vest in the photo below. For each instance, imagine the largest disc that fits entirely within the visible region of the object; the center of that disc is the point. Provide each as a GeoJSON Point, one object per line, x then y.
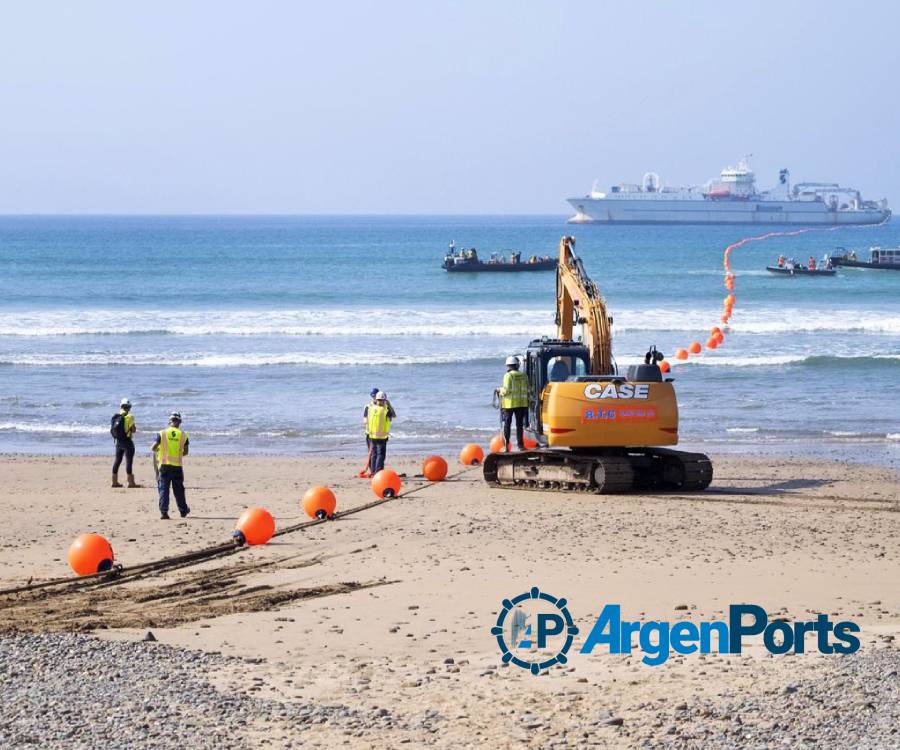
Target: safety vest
{"type": "Point", "coordinates": [378, 423]}
{"type": "Point", "coordinates": [128, 423]}
{"type": "Point", "coordinates": [514, 393]}
{"type": "Point", "coordinates": [171, 446]}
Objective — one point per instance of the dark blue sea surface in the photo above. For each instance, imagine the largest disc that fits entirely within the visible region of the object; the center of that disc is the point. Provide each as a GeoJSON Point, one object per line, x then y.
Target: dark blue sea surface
{"type": "Point", "coordinates": [267, 333]}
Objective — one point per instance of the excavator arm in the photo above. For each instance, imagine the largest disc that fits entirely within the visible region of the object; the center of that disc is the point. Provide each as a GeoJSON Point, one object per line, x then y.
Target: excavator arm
{"type": "Point", "coordinates": [578, 301]}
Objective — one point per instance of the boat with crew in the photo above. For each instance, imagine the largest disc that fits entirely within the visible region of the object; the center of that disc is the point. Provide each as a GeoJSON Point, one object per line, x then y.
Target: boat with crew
{"type": "Point", "coordinates": [790, 267]}
{"type": "Point", "coordinates": [467, 260]}
{"type": "Point", "coordinates": [730, 199]}
{"type": "Point", "coordinates": [882, 258]}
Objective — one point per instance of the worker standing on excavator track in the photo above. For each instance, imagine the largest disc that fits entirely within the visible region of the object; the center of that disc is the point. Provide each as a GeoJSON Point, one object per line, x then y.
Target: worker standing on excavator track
{"type": "Point", "coordinates": [514, 401]}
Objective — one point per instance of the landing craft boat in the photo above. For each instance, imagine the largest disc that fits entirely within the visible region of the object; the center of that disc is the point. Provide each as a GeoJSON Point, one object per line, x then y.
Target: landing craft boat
{"type": "Point", "coordinates": [886, 259]}
{"type": "Point", "coordinates": [731, 199]}
{"type": "Point", "coordinates": [467, 260]}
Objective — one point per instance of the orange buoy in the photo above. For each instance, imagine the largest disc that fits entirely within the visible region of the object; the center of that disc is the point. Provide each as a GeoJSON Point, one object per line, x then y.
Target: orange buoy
{"type": "Point", "coordinates": [90, 553]}
{"type": "Point", "coordinates": [719, 337]}
{"type": "Point", "coordinates": [319, 502]}
{"type": "Point", "coordinates": [714, 330]}
{"type": "Point", "coordinates": [695, 348]}
{"type": "Point", "coordinates": [255, 526]}
{"type": "Point", "coordinates": [434, 468]}
{"type": "Point", "coordinates": [529, 443]}
{"type": "Point", "coordinates": [471, 454]}
{"type": "Point", "coordinates": [664, 366]}
{"type": "Point", "coordinates": [681, 354]}
{"type": "Point", "coordinates": [498, 444]}
{"type": "Point", "coordinates": [711, 342]}
{"type": "Point", "coordinates": [386, 483]}
{"type": "Point", "coordinates": [724, 318]}
{"type": "Point", "coordinates": [729, 300]}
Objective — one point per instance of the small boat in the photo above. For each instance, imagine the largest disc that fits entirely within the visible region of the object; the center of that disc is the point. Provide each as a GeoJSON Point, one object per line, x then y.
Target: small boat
{"type": "Point", "coordinates": [468, 261]}
{"type": "Point", "coordinates": [885, 259]}
{"type": "Point", "coordinates": [797, 270]}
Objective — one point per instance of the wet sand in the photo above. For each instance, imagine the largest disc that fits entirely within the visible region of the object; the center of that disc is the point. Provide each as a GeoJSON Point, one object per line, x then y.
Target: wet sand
{"type": "Point", "coordinates": [366, 612]}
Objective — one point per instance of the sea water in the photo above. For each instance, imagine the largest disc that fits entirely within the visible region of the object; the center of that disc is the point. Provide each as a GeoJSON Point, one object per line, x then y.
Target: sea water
{"type": "Point", "coordinates": [267, 333]}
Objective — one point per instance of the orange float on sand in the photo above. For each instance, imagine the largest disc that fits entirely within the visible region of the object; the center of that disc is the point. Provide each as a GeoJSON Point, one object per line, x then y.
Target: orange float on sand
{"type": "Point", "coordinates": [434, 468]}
{"type": "Point", "coordinates": [255, 526]}
{"type": "Point", "coordinates": [90, 553]}
{"type": "Point", "coordinates": [498, 444]}
{"type": "Point", "coordinates": [471, 454]}
{"type": "Point", "coordinates": [681, 354]}
{"type": "Point", "coordinates": [319, 502]}
{"type": "Point", "coordinates": [386, 483]}
{"type": "Point", "coordinates": [695, 348]}
{"type": "Point", "coordinates": [529, 443]}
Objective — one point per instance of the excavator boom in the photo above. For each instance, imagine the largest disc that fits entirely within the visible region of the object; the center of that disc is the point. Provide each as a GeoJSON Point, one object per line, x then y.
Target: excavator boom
{"type": "Point", "coordinates": [578, 301]}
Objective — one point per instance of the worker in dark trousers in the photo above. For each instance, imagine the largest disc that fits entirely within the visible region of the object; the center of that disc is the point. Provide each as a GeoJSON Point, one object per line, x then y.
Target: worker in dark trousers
{"type": "Point", "coordinates": [378, 416]}
{"type": "Point", "coordinates": [514, 401]}
{"type": "Point", "coordinates": [122, 429]}
{"type": "Point", "coordinates": [171, 447]}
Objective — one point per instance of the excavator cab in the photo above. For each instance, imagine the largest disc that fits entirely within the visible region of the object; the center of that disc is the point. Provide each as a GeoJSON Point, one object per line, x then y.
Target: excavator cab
{"type": "Point", "coordinates": [551, 361]}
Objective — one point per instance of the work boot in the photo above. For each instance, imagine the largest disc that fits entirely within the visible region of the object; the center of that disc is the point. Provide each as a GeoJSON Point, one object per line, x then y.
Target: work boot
{"type": "Point", "coordinates": [115, 482]}
{"type": "Point", "coordinates": [163, 516]}
{"type": "Point", "coordinates": [131, 483]}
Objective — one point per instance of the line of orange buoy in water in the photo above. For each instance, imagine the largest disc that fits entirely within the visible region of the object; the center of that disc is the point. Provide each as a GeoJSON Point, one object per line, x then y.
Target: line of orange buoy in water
{"type": "Point", "coordinates": [717, 333]}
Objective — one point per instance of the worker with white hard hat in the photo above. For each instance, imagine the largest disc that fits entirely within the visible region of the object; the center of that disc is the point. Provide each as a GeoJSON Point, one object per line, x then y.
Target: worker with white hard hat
{"type": "Point", "coordinates": [514, 401]}
{"type": "Point", "coordinates": [378, 417]}
{"type": "Point", "coordinates": [171, 447]}
{"type": "Point", "coordinates": [122, 429]}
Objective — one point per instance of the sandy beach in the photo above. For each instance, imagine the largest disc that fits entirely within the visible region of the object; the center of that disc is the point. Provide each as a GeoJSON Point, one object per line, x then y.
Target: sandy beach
{"type": "Point", "coordinates": [382, 619]}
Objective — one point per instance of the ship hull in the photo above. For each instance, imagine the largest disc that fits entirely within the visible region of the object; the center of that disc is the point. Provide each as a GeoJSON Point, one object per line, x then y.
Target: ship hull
{"type": "Point", "coordinates": [786, 213]}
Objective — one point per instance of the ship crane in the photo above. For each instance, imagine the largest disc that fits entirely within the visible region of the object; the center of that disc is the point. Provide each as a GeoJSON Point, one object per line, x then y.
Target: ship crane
{"type": "Point", "coordinates": [597, 430]}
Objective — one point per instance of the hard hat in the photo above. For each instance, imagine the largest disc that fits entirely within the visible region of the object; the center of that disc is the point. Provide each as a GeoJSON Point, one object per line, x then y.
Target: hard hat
{"type": "Point", "coordinates": [380, 396]}
{"type": "Point", "coordinates": [512, 361]}
{"type": "Point", "coordinates": [125, 402]}
{"type": "Point", "coordinates": [175, 415]}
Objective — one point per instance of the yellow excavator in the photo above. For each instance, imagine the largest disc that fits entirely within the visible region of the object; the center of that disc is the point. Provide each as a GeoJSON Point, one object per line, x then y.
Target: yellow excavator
{"type": "Point", "coordinates": [597, 431]}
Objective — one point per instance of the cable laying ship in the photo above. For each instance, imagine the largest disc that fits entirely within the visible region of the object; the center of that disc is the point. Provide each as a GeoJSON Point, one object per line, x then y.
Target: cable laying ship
{"type": "Point", "coordinates": [732, 199]}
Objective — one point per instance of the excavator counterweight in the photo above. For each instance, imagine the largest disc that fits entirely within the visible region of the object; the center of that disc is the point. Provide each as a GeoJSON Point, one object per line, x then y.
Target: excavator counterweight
{"type": "Point", "coordinates": [597, 430]}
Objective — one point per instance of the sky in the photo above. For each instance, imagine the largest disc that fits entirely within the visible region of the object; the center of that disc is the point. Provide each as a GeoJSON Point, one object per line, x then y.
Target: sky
{"type": "Point", "coordinates": [433, 107]}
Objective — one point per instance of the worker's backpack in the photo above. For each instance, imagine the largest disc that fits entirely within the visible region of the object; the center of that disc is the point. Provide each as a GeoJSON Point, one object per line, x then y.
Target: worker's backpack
{"type": "Point", "coordinates": [117, 427]}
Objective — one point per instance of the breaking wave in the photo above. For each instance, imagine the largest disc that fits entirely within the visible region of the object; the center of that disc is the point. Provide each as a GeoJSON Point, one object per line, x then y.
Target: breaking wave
{"type": "Point", "coordinates": [419, 322]}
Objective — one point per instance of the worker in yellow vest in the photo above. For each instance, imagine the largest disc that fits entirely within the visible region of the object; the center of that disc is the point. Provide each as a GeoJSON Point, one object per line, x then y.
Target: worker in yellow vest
{"type": "Point", "coordinates": [171, 447]}
{"type": "Point", "coordinates": [122, 429]}
{"type": "Point", "coordinates": [514, 401]}
{"type": "Point", "coordinates": [378, 416]}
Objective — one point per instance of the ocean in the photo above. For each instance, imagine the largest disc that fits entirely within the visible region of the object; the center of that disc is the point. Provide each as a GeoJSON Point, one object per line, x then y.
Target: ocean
{"type": "Point", "coordinates": [267, 333]}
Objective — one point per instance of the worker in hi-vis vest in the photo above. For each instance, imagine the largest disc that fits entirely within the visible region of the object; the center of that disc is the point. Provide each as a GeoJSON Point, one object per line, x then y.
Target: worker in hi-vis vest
{"type": "Point", "coordinates": [122, 429]}
{"type": "Point", "coordinates": [171, 447]}
{"type": "Point", "coordinates": [378, 416]}
{"type": "Point", "coordinates": [514, 401]}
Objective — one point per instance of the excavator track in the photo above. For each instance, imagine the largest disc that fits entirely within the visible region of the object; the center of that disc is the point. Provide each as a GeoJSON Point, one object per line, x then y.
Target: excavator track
{"type": "Point", "coordinates": [608, 472]}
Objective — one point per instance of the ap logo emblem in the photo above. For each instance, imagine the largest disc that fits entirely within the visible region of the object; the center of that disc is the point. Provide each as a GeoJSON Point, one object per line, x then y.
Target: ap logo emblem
{"type": "Point", "coordinates": [534, 630]}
